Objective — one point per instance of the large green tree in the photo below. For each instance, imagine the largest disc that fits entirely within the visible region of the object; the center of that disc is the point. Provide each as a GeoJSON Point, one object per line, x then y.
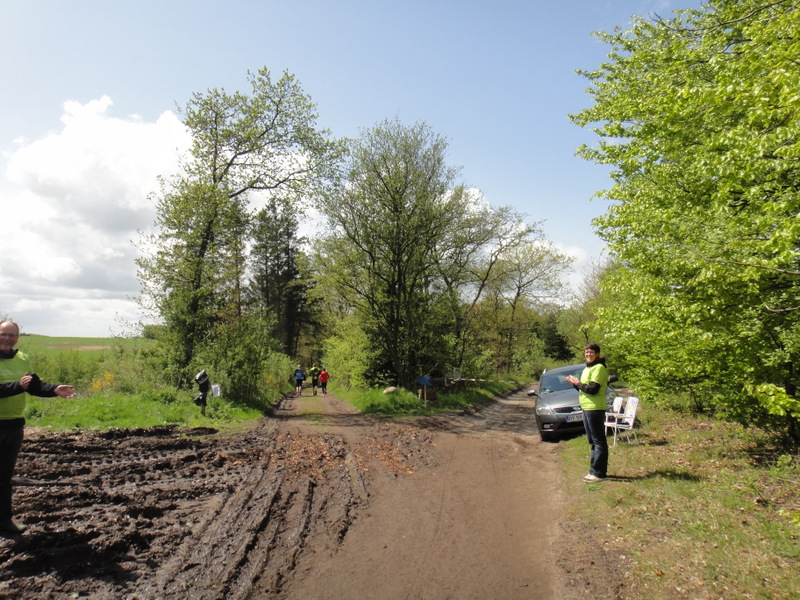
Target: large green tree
{"type": "Point", "coordinates": [411, 252]}
{"type": "Point", "coordinates": [529, 276]}
{"type": "Point", "coordinates": [191, 274]}
{"type": "Point", "coordinates": [471, 265]}
{"type": "Point", "coordinates": [700, 116]}
{"type": "Point", "coordinates": [276, 283]}
{"type": "Point", "coordinates": [396, 203]}
{"type": "Point", "coordinates": [194, 268]}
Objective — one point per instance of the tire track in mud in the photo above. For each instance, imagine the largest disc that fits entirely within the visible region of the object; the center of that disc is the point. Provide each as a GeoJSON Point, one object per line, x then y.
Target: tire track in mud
{"type": "Point", "coordinates": [258, 531]}
{"type": "Point", "coordinates": [165, 514]}
{"type": "Point", "coordinates": [476, 523]}
{"type": "Point", "coordinates": [159, 514]}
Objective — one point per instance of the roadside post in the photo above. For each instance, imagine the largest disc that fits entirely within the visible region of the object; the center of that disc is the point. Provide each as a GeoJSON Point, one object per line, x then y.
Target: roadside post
{"type": "Point", "coordinates": [424, 381]}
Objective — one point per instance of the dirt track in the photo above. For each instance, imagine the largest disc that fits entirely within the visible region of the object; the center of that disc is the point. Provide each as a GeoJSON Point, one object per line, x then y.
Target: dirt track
{"type": "Point", "coordinates": [315, 502]}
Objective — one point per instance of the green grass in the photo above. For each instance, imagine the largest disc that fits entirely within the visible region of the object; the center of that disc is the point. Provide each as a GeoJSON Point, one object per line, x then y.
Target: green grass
{"type": "Point", "coordinates": [82, 362]}
{"type": "Point", "coordinates": [112, 410]}
{"type": "Point", "coordinates": [698, 509]}
{"type": "Point", "coordinates": [86, 363]}
{"type": "Point", "coordinates": [405, 403]}
{"type": "Point", "coordinates": [89, 347]}
{"type": "Point", "coordinates": [101, 370]}
{"type": "Point", "coordinates": [311, 408]}
{"type": "Point", "coordinates": [104, 409]}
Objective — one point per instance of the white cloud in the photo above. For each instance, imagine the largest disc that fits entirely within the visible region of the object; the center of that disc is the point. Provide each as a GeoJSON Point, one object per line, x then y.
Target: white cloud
{"type": "Point", "coordinates": [579, 254]}
{"type": "Point", "coordinates": [583, 264]}
{"type": "Point", "coordinates": [73, 202]}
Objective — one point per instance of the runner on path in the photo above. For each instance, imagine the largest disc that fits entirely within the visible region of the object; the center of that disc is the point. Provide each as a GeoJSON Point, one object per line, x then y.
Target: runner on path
{"type": "Point", "coordinates": [323, 380]}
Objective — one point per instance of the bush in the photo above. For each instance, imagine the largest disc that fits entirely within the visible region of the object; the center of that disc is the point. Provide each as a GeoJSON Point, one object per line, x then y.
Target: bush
{"type": "Point", "coordinates": [244, 360]}
{"type": "Point", "coordinates": [162, 396]}
{"type": "Point", "coordinates": [68, 366]}
{"type": "Point", "coordinates": [405, 402]}
{"type": "Point", "coordinates": [347, 354]}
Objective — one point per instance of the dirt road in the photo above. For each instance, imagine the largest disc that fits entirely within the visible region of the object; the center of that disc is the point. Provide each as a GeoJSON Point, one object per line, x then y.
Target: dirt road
{"type": "Point", "coordinates": [315, 502]}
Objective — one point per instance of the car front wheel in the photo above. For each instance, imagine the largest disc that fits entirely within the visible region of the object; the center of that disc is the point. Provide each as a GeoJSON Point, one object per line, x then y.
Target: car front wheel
{"type": "Point", "coordinates": [546, 436]}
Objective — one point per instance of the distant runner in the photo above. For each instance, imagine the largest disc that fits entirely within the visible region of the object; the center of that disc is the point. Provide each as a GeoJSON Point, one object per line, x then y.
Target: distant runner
{"type": "Point", "coordinates": [299, 378]}
{"type": "Point", "coordinates": [323, 380]}
{"type": "Point", "coordinates": [314, 372]}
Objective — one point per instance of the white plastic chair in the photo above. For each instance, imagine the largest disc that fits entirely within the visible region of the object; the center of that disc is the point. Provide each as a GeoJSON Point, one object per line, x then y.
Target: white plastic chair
{"type": "Point", "coordinates": [616, 407]}
{"type": "Point", "coordinates": [623, 421]}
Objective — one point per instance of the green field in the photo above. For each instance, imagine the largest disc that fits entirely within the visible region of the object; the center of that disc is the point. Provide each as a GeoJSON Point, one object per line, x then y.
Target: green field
{"type": "Point", "coordinates": [93, 347]}
{"type": "Point", "coordinates": [118, 385]}
{"type": "Point", "coordinates": [694, 508]}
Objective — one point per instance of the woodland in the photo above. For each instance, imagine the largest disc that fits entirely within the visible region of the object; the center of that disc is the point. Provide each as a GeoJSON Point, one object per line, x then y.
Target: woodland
{"type": "Point", "coordinates": [408, 272]}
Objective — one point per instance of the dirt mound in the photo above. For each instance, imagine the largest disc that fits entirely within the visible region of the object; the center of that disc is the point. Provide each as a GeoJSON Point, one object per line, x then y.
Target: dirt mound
{"type": "Point", "coordinates": [315, 502]}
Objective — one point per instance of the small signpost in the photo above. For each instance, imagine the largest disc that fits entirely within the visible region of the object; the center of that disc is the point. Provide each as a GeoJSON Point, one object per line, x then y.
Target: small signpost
{"type": "Point", "coordinates": [424, 381]}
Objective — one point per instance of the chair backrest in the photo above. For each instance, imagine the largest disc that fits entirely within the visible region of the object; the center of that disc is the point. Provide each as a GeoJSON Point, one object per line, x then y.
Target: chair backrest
{"type": "Point", "coordinates": [630, 410]}
{"type": "Point", "coordinates": [617, 406]}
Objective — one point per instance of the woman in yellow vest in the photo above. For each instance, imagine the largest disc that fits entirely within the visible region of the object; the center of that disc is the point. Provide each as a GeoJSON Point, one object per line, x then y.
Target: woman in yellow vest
{"type": "Point", "coordinates": [592, 388]}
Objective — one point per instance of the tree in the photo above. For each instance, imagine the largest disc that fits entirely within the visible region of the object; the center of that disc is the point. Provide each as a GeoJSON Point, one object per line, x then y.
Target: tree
{"type": "Point", "coordinates": [396, 204]}
{"type": "Point", "coordinates": [413, 252]}
{"type": "Point", "coordinates": [193, 273]}
{"type": "Point", "coordinates": [577, 324]}
{"type": "Point", "coordinates": [699, 115]}
{"type": "Point", "coordinates": [189, 276]}
{"type": "Point", "coordinates": [530, 274]}
{"type": "Point", "coordinates": [276, 284]}
{"type": "Point", "coordinates": [468, 263]}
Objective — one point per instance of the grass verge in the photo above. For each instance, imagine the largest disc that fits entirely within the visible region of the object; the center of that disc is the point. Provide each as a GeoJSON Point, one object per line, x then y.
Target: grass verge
{"type": "Point", "coordinates": [112, 410]}
{"type": "Point", "coordinates": [695, 508]}
{"type": "Point", "coordinates": [405, 403]}
{"type": "Point", "coordinates": [107, 409]}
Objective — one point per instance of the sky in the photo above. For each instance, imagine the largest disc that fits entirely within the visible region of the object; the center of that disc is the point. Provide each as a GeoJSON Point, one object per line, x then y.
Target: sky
{"type": "Point", "coordinates": [91, 92]}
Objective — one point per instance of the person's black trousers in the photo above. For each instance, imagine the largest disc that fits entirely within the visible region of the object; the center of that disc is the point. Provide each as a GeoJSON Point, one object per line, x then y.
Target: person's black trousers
{"type": "Point", "coordinates": [11, 434]}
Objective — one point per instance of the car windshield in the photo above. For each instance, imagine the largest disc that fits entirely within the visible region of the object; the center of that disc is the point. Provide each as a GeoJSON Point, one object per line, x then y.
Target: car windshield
{"type": "Point", "coordinates": [557, 382]}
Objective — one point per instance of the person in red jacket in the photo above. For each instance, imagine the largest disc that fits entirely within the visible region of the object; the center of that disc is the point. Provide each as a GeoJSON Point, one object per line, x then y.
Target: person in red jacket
{"type": "Point", "coordinates": [323, 380]}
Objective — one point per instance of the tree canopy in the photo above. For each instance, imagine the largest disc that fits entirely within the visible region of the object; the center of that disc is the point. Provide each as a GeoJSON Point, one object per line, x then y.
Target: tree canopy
{"type": "Point", "coordinates": [196, 270]}
{"type": "Point", "coordinates": [699, 115]}
{"type": "Point", "coordinates": [403, 282]}
{"type": "Point", "coordinates": [412, 251]}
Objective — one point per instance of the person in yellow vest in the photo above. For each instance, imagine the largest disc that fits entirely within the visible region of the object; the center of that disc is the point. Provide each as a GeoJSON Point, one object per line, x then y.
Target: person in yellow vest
{"type": "Point", "coordinates": [16, 372]}
{"type": "Point", "coordinates": [592, 388]}
{"type": "Point", "coordinates": [314, 372]}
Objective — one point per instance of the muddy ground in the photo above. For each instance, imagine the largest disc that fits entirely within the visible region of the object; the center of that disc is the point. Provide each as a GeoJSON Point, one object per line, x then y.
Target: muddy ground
{"type": "Point", "coordinates": [314, 502]}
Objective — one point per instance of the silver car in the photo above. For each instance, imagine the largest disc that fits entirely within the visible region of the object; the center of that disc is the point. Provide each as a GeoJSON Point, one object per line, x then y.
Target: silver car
{"type": "Point", "coordinates": [557, 409]}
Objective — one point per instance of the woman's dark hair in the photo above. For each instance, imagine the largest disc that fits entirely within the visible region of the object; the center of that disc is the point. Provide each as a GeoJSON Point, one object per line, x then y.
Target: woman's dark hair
{"type": "Point", "coordinates": [592, 346]}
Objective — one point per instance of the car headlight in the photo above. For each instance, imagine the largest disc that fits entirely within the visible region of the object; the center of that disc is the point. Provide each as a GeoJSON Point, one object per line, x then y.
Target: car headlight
{"type": "Point", "coordinates": [544, 410]}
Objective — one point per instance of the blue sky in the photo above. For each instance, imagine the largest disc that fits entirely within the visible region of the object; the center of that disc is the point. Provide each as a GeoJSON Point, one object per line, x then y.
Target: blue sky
{"type": "Point", "coordinates": [90, 91]}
